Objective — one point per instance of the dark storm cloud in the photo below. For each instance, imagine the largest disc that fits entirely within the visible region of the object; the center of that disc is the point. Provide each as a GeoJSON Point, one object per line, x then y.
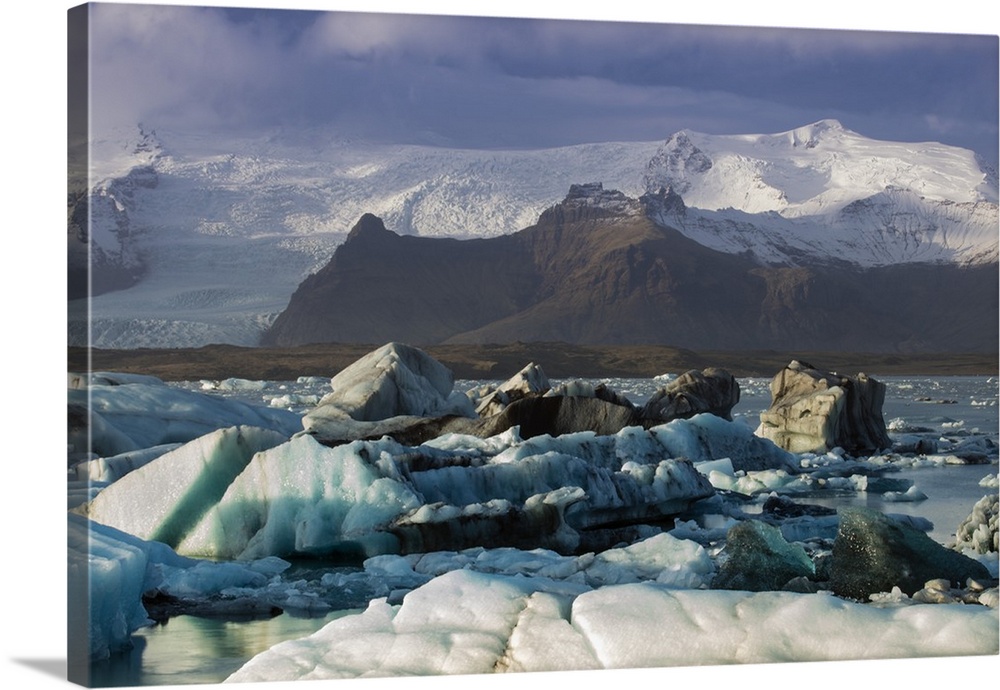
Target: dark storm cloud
{"type": "Point", "coordinates": [528, 82]}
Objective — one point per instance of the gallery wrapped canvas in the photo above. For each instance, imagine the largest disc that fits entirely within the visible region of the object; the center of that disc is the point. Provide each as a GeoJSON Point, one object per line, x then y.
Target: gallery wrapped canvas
{"type": "Point", "coordinates": [436, 345]}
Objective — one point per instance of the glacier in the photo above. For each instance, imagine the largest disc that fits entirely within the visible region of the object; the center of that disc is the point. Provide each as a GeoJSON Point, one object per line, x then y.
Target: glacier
{"type": "Point", "coordinates": [203, 241]}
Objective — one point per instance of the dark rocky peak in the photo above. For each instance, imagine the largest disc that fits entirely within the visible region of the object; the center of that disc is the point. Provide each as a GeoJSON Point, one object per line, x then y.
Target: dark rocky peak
{"type": "Point", "coordinates": [368, 227]}
{"type": "Point", "coordinates": [588, 202]}
{"type": "Point", "coordinates": [147, 142]}
{"type": "Point", "coordinates": [663, 203]}
{"type": "Point", "coordinates": [592, 193]}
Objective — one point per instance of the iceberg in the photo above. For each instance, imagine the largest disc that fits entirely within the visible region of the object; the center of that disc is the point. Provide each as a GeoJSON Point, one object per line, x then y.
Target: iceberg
{"type": "Point", "coordinates": [107, 575]}
{"type": "Point", "coordinates": [165, 498]}
{"type": "Point", "coordinates": [499, 623]}
{"type": "Point", "coordinates": [304, 498]}
{"type": "Point", "coordinates": [131, 416]}
{"type": "Point", "coordinates": [394, 380]}
{"type": "Point", "coordinates": [111, 572]}
{"type": "Point", "coordinates": [371, 497]}
{"type": "Point", "coordinates": [271, 497]}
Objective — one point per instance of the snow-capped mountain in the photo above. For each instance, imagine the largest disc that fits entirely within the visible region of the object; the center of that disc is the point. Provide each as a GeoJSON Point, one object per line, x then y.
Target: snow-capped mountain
{"type": "Point", "coordinates": [213, 233]}
{"type": "Point", "coordinates": [822, 192]}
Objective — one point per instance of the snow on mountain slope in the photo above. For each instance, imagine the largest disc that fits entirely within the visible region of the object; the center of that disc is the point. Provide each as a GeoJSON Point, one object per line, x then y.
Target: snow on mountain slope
{"type": "Point", "coordinates": [233, 225]}
{"type": "Point", "coordinates": [813, 170]}
{"type": "Point", "coordinates": [221, 229]}
{"type": "Point", "coordinates": [822, 192]}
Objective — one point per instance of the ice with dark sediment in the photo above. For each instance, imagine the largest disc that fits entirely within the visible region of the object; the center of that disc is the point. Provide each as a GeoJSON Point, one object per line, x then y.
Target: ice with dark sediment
{"type": "Point", "coordinates": [368, 498]}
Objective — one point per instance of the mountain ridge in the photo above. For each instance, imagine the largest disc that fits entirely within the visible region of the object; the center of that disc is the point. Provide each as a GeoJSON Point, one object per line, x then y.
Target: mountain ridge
{"type": "Point", "coordinates": [214, 249]}
{"type": "Point", "coordinates": [597, 269]}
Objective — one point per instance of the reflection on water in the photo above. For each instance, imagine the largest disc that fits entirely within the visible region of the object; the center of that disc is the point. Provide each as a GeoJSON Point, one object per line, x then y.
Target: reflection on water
{"type": "Point", "coordinates": [187, 649]}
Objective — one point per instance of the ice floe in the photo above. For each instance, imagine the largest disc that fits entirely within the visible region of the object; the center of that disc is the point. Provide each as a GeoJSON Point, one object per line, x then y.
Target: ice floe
{"type": "Point", "coordinates": [496, 623]}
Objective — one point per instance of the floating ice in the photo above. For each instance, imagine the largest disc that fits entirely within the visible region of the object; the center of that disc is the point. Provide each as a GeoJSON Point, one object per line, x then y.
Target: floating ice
{"type": "Point", "coordinates": [107, 570]}
{"type": "Point", "coordinates": [978, 532]}
{"type": "Point", "coordinates": [708, 437]}
{"type": "Point", "coordinates": [302, 497]}
{"type": "Point", "coordinates": [394, 380]}
{"type": "Point", "coordinates": [497, 623]}
{"type": "Point", "coordinates": [664, 558]}
{"type": "Point", "coordinates": [110, 572]}
{"type": "Point", "coordinates": [910, 495]}
{"type": "Point", "coordinates": [111, 469]}
{"type": "Point", "coordinates": [661, 557]}
{"type": "Point", "coordinates": [165, 499]}
{"type": "Point", "coordinates": [131, 416]}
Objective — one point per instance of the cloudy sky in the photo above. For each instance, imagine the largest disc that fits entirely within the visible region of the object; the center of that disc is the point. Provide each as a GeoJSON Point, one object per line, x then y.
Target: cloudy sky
{"type": "Point", "coordinates": [514, 82]}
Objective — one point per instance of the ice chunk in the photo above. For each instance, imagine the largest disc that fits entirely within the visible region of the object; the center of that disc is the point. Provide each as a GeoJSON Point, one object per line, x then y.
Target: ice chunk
{"type": "Point", "coordinates": [912, 494]}
{"type": "Point", "coordinates": [422, 637]}
{"type": "Point", "coordinates": [664, 558]}
{"type": "Point", "coordinates": [394, 380]}
{"type": "Point", "coordinates": [544, 625]}
{"type": "Point", "coordinates": [642, 626]}
{"type": "Point", "coordinates": [530, 380]}
{"type": "Point", "coordinates": [131, 416]}
{"type": "Point", "coordinates": [111, 469]}
{"type": "Point", "coordinates": [759, 559]}
{"type": "Point", "coordinates": [613, 491]}
{"type": "Point", "coordinates": [814, 411]}
{"type": "Point", "coordinates": [466, 622]}
{"type": "Point", "coordinates": [302, 497]}
{"type": "Point", "coordinates": [708, 437]}
{"type": "Point", "coordinates": [107, 574]}
{"type": "Point", "coordinates": [873, 553]}
{"type": "Point", "coordinates": [978, 531]}
{"type": "Point", "coordinates": [164, 499]}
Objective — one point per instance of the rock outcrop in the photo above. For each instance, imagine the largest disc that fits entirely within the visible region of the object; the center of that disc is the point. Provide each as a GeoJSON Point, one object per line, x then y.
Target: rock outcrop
{"type": "Point", "coordinates": [816, 411]}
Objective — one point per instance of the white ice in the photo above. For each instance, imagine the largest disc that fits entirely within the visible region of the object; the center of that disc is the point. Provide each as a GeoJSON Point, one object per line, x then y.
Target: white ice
{"type": "Point", "coordinates": [165, 498]}
{"type": "Point", "coordinates": [131, 416]}
{"type": "Point", "coordinates": [111, 570]}
{"type": "Point", "coordinates": [306, 498]}
{"type": "Point", "coordinates": [393, 380]}
{"type": "Point", "coordinates": [302, 497]}
{"type": "Point", "coordinates": [498, 623]}
{"type": "Point", "coordinates": [660, 557]}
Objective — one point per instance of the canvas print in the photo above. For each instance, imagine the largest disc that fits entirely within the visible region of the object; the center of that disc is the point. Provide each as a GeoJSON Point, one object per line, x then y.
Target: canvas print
{"type": "Point", "coordinates": [412, 345]}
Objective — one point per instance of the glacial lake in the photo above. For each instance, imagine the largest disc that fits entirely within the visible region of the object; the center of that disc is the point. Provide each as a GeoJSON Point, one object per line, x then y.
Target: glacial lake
{"type": "Point", "coordinates": [188, 649]}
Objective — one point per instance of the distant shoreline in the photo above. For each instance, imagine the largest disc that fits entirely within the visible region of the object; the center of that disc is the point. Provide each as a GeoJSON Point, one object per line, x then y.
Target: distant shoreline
{"type": "Point", "coordinates": [558, 360]}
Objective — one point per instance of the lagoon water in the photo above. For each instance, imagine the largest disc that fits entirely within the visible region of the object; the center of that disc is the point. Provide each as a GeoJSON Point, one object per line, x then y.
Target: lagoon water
{"type": "Point", "coordinates": [188, 649]}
